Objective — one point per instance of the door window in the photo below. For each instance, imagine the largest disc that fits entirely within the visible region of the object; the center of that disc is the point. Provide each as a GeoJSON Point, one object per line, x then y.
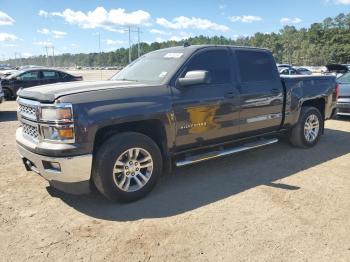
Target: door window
{"type": "Point", "coordinates": [30, 76]}
{"type": "Point", "coordinates": [255, 66]}
{"type": "Point", "coordinates": [50, 75]}
{"type": "Point", "coordinates": [216, 62]}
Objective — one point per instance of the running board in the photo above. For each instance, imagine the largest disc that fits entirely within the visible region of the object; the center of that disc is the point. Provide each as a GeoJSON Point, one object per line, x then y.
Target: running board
{"type": "Point", "coordinates": [225, 152]}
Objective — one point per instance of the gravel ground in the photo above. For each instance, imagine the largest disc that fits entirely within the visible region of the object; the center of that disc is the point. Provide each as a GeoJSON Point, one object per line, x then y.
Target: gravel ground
{"type": "Point", "coordinates": [276, 203]}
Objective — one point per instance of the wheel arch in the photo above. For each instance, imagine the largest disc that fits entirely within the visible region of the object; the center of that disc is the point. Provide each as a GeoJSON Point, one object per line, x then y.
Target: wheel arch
{"type": "Point", "coordinates": [153, 128]}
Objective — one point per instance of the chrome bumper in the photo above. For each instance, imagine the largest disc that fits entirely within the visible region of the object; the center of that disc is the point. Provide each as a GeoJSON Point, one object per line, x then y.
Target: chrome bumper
{"type": "Point", "coordinates": [343, 106]}
{"type": "Point", "coordinates": [73, 176]}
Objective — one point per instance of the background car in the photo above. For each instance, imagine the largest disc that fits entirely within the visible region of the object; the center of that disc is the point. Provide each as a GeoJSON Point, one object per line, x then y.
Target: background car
{"type": "Point", "coordinates": [2, 95]}
{"type": "Point", "coordinates": [303, 71]}
{"type": "Point", "coordinates": [343, 103]}
{"type": "Point", "coordinates": [33, 77]}
{"type": "Point", "coordinates": [336, 69]}
{"type": "Point", "coordinates": [289, 71]}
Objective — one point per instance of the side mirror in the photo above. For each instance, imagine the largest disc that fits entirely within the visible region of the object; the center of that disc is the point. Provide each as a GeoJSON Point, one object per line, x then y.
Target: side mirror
{"type": "Point", "coordinates": [194, 78]}
{"type": "Point", "coordinates": [18, 78]}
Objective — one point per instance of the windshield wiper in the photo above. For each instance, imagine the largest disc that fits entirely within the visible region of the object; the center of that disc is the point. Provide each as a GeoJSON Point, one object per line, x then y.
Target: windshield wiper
{"type": "Point", "coordinates": [124, 79]}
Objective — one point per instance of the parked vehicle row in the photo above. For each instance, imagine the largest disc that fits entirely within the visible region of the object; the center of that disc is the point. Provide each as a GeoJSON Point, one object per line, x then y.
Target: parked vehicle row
{"type": "Point", "coordinates": [22, 79]}
{"type": "Point", "coordinates": [172, 107]}
{"type": "Point", "coordinates": [343, 104]}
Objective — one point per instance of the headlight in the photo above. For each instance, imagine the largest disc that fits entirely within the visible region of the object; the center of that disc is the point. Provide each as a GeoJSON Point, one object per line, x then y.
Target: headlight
{"type": "Point", "coordinates": [56, 122]}
{"type": "Point", "coordinates": [56, 113]}
{"type": "Point", "coordinates": [58, 133]}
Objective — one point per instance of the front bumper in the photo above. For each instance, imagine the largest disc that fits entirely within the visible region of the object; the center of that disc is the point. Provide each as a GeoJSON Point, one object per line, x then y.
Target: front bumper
{"type": "Point", "coordinates": [72, 176]}
{"type": "Point", "coordinates": [343, 106]}
{"type": "Point", "coordinates": [2, 96]}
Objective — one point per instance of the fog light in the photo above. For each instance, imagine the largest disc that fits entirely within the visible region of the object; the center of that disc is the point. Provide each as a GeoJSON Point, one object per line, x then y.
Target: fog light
{"type": "Point", "coordinates": [52, 166]}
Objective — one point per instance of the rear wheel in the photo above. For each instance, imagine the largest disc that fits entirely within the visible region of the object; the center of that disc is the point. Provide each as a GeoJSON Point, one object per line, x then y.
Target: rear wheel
{"type": "Point", "coordinates": [127, 167]}
{"type": "Point", "coordinates": [308, 129]}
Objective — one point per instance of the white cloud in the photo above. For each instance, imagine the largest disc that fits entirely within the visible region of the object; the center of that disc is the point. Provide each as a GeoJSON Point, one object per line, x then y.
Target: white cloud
{"type": "Point", "coordinates": [222, 7]}
{"type": "Point", "coordinates": [160, 39]}
{"type": "Point", "coordinates": [175, 37]}
{"type": "Point", "coordinates": [183, 22]}
{"type": "Point", "coordinates": [43, 13]}
{"type": "Point", "coordinates": [43, 43]}
{"type": "Point", "coordinates": [245, 18]}
{"type": "Point", "coordinates": [342, 2]}
{"type": "Point", "coordinates": [58, 34]}
{"type": "Point", "coordinates": [53, 33]}
{"type": "Point", "coordinates": [43, 31]}
{"type": "Point", "coordinates": [102, 18]}
{"type": "Point", "coordinates": [10, 45]}
{"type": "Point", "coordinates": [114, 42]}
{"type": "Point", "coordinates": [26, 54]}
{"type": "Point", "coordinates": [158, 32]}
{"type": "Point", "coordinates": [5, 19]}
{"type": "Point", "coordinates": [74, 45]}
{"type": "Point", "coordinates": [339, 2]}
{"type": "Point", "coordinates": [4, 37]}
{"type": "Point", "coordinates": [290, 21]}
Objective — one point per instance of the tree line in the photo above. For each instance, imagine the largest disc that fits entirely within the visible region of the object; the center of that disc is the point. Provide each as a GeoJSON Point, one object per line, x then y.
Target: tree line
{"type": "Point", "coordinates": [320, 44]}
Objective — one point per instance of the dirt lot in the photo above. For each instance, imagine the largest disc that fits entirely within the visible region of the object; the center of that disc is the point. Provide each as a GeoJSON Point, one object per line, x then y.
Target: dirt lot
{"type": "Point", "coordinates": [272, 204]}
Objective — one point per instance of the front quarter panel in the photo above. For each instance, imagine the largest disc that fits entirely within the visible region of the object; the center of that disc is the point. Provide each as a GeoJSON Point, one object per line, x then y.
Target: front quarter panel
{"type": "Point", "coordinates": [96, 110]}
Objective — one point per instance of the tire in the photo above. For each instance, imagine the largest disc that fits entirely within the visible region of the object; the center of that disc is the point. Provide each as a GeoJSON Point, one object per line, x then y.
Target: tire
{"type": "Point", "coordinates": [298, 136]}
{"type": "Point", "coordinates": [7, 94]}
{"type": "Point", "coordinates": [110, 176]}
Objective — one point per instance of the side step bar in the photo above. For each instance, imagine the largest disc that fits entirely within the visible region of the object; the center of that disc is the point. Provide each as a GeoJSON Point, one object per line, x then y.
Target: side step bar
{"type": "Point", "coordinates": [225, 152]}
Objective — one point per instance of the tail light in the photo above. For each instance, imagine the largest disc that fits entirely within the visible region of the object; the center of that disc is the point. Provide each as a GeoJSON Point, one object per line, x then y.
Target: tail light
{"type": "Point", "coordinates": [336, 93]}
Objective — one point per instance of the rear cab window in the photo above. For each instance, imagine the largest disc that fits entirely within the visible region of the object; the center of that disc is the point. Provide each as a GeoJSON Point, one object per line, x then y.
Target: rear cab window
{"type": "Point", "coordinates": [256, 66]}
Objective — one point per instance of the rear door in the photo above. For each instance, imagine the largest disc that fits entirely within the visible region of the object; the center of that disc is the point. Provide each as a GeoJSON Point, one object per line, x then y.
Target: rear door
{"type": "Point", "coordinates": [207, 112]}
{"type": "Point", "coordinates": [261, 92]}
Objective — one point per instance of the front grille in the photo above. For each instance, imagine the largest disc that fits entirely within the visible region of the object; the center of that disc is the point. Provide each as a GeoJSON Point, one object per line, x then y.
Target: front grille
{"type": "Point", "coordinates": [31, 131]}
{"type": "Point", "coordinates": [344, 110]}
{"type": "Point", "coordinates": [27, 111]}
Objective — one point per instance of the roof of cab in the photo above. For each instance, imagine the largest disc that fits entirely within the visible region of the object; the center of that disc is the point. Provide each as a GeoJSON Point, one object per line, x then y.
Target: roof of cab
{"type": "Point", "coordinates": [193, 48]}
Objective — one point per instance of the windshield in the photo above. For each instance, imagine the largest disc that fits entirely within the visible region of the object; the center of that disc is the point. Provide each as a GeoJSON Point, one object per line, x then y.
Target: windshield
{"type": "Point", "coordinates": [344, 79]}
{"type": "Point", "coordinates": [152, 68]}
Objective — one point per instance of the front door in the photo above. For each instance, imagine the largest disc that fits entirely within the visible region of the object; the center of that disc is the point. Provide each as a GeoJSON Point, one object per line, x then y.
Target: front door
{"type": "Point", "coordinates": [206, 112]}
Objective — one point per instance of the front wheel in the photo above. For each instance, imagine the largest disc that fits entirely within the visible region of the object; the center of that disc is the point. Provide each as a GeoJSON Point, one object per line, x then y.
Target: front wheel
{"type": "Point", "coordinates": [7, 94]}
{"type": "Point", "coordinates": [127, 167]}
{"type": "Point", "coordinates": [307, 131]}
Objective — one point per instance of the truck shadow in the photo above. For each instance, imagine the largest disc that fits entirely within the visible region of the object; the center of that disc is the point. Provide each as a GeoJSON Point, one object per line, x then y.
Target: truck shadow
{"type": "Point", "coordinates": [192, 187]}
{"type": "Point", "coordinates": [8, 116]}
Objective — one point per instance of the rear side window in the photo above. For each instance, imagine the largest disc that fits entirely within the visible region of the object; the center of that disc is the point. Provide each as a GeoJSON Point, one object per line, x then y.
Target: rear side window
{"type": "Point", "coordinates": [255, 66]}
{"type": "Point", "coordinates": [216, 62]}
{"type": "Point", "coordinates": [50, 75]}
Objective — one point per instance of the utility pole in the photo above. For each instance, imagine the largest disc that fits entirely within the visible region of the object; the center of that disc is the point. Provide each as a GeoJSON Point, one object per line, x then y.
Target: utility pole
{"type": "Point", "coordinates": [138, 42]}
{"type": "Point", "coordinates": [129, 30]}
{"type": "Point", "coordinates": [99, 47]}
{"type": "Point", "coordinates": [47, 55]}
{"type": "Point", "coordinates": [53, 56]}
{"type": "Point", "coordinates": [15, 60]}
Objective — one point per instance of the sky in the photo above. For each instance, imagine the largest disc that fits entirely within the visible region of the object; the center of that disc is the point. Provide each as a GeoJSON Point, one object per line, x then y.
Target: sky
{"type": "Point", "coordinates": [27, 27]}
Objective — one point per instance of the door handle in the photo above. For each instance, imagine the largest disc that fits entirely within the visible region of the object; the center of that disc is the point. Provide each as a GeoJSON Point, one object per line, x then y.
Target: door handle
{"type": "Point", "coordinates": [230, 95]}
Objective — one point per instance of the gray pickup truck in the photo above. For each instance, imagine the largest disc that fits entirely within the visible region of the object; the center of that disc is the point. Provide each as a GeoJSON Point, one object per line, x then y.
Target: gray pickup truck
{"type": "Point", "coordinates": [170, 108]}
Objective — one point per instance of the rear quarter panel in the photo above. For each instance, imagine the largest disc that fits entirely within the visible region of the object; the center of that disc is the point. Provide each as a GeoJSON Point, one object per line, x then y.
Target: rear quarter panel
{"type": "Point", "coordinates": [300, 89]}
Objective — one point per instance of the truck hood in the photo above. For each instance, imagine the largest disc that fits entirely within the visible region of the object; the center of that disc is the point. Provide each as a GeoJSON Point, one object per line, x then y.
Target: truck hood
{"type": "Point", "coordinates": [49, 93]}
